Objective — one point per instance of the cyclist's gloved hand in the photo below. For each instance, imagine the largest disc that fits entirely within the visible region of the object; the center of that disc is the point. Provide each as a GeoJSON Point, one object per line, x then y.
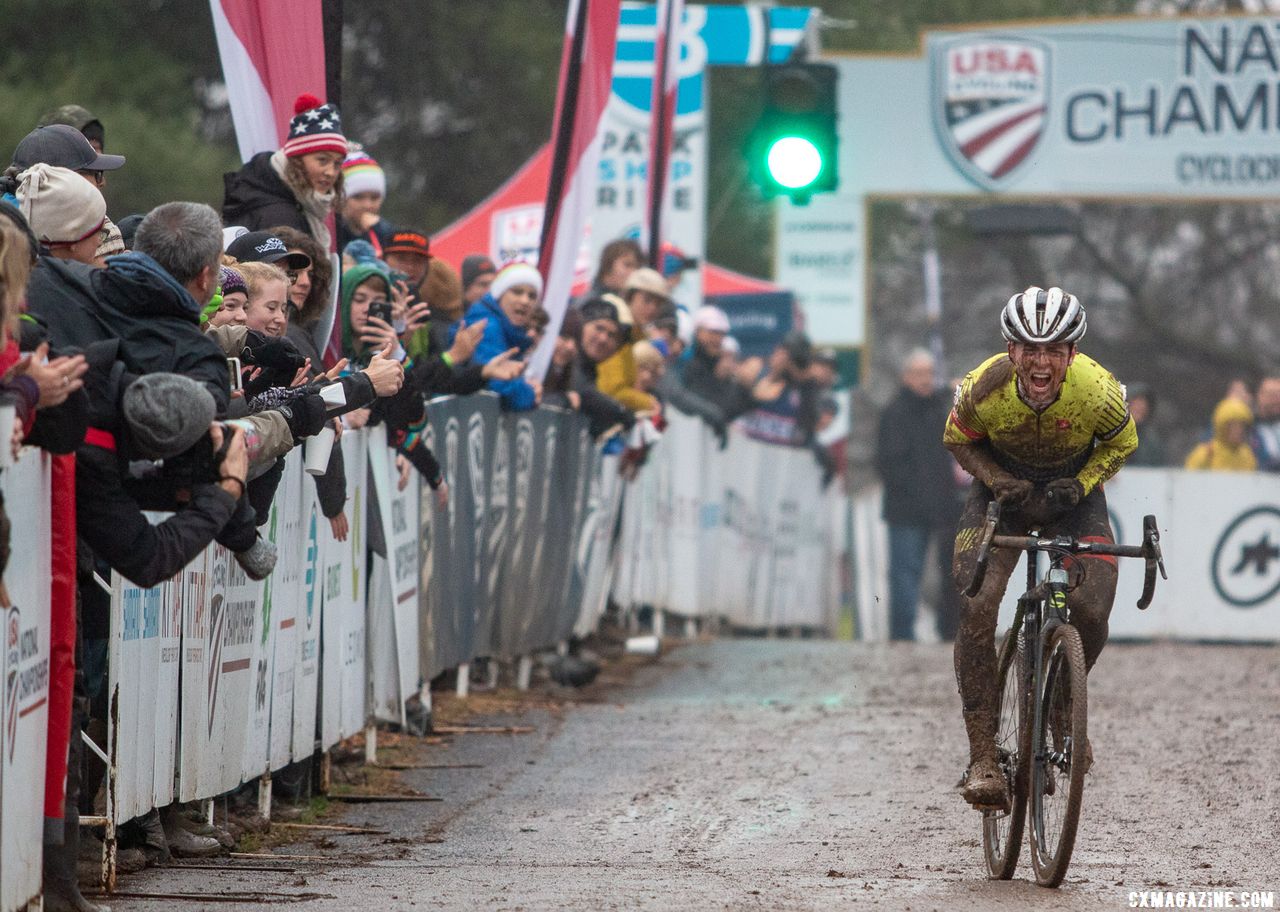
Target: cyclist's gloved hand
{"type": "Point", "coordinates": [1011, 492]}
{"type": "Point", "coordinates": [1062, 494]}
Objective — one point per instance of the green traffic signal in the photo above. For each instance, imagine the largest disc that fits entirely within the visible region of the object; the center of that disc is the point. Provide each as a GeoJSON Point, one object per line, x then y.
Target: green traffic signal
{"type": "Point", "coordinates": [794, 162]}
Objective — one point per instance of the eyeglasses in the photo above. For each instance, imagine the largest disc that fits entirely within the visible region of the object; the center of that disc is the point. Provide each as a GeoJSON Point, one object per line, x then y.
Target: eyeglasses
{"type": "Point", "coordinates": [293, 276]}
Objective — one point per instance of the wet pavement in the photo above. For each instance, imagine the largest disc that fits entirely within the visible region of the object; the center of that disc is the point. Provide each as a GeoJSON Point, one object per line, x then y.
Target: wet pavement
{"type": "Point", "coordinates": [794, 774]}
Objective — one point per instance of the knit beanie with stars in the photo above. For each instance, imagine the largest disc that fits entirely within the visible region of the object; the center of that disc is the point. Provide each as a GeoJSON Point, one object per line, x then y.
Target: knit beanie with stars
{"type": "Point", "coordinates": [315, 127]}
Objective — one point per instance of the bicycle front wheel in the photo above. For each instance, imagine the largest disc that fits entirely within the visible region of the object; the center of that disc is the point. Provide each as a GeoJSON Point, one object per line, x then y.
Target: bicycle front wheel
{"type": "Point", "coordinates": [1058, 765]}
{"type": "Point", "coordinates": [1002, 830]}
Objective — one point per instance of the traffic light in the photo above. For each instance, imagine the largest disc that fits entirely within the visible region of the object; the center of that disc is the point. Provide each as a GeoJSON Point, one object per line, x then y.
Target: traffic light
{"type": "Point", "coordinates": [793, 149]}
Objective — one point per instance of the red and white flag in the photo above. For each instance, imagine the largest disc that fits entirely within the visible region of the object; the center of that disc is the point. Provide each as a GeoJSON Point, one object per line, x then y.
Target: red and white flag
{"type": "Point", "coordinates": [271, 52]}
{"type": "Point", "coordinates": [662, 108]}
{"type": "Point", "coordinates": [586, 79]}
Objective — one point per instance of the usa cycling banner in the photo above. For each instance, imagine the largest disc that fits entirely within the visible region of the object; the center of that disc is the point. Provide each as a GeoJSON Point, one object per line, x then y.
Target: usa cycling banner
{"type": "Point", "coordinates": [24, 680]}
{"type": "Point", "coordinates": [1152, 107]}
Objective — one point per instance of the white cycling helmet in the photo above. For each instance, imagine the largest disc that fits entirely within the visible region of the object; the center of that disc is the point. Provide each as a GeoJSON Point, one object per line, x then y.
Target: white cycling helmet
{"type": "Point", "coordinates": [1041, 316]}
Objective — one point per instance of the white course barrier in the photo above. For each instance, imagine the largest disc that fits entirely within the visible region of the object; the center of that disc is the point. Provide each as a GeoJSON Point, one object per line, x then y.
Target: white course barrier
{"type": "Point", "coordinates": [1220, 532]}
{"type": "Point", "coordinates": [24, 679]}
{"type": "Point", "coordinates": [743, 533]}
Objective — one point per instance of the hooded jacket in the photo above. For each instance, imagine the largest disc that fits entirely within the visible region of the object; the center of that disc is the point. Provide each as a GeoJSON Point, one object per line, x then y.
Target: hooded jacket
{"type": "Point", "coordinates": [500, 334]}
{"type": "Point", "coordinates": [1218, 454]}
{"type": "Point", "coordinates": [258, 198]}
{"type": "Point", "coordinates": [616, 375]}
{"type": "Point", "coordinates": [158, 323]}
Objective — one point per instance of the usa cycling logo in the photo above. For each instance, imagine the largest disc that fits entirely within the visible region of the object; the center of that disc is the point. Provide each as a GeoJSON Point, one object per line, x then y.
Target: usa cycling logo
{"type": "Point", "coordinates": [991, 104]}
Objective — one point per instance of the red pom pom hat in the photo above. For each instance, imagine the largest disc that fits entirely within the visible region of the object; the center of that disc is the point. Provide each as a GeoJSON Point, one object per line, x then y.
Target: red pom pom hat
{"type": "Point", "coordinates": [315, 127]}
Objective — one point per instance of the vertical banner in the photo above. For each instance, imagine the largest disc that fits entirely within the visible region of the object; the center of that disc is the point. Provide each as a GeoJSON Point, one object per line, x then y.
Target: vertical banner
{"type": "Point", "coordinates": [586, 72]}
{"type": "Point", "coordinates": [24, 679]}
{"type": "Point", "coordinates": [271, 53]}
{"type": "Point", "coordinates": [283, 608]}
{"type": "Point", "coordinates": [662, 110]}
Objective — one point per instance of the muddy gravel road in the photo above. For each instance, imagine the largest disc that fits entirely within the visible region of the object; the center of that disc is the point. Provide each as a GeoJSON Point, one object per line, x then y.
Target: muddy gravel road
{"type": "Point", "coordinates": [785, 774]}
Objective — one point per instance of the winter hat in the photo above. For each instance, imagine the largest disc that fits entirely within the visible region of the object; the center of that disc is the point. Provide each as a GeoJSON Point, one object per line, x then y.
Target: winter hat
{"type": "Point", "coordinates": [475, 266]}
{"type": "Point", "coordinates": [607, 307]}
{"type": "Point", "coordinates": [361, 174]}
{"type": "Point", "coordinates": [129, 227]}
{"type": "Point", "coordinates": [711, 318]}
{"type": "Point", "coordinates": [113, 240]}
{"type": "Point", "coordinates": [407, 240]}
{"type": "Point", "coordinates": [167, 413]}
{"type": "Point", "coordinates": [60, 205]}
{"type": "Point", "coordinates": [315, 127]}
{"type": "Point", "coordinates": [231, 281]}
{"type": "Point", "coordinates": [514, 274]}
{"type": "Point", "coordinates": [646, 279]}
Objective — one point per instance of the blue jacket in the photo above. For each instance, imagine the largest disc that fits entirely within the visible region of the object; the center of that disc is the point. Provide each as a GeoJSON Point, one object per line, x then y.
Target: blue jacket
{"type": "Point", "coordinates": [500, 334]}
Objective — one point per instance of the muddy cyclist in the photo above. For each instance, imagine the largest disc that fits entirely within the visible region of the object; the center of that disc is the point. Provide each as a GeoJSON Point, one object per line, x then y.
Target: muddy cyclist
{"type": "Point", "coordinates": [1040, 428]}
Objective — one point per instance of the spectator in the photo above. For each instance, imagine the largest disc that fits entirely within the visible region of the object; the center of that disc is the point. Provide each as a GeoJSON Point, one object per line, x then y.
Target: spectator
{"type": "Point", "coordinates": [268, 295]}
{"type": "Point", "coordinates": [705, 373]}
{"type": "Point", "coordinates": [62, 146]}
{"type": "Point", "coordinates": [298, 185]}
{"type": "Point", "coordinates": [618, 260]}
{"type": "Point", "coordinates": [557, 385]}
{"type": "Point", "coordinates": [786, 401]}
{"type": "Point", "coordinates": [916, 471]}
{"type": "Point", "coordinates": [650, 366]}
{"type": "Point", "coordinates": [364, 188]}
{"type": "Point", "coordinates": [825, 369]}
{"type": "Point", "coordinates": [311, 307]}
{"type": "Point", "coordinates": [235, 295]}
{"type": "Point", "coordinates": [507, 308]}
{"type": "Point", "coordinates": [477, 275]}
{"type": "Point", "coordinates": [65, 212]}
{"type": "Point", "coordinates": [648, 298]}
{"type": "Point", "coordinates": [441, 288]}
{"type": "Point", "coordinates": [1229, 450]}
{"type": "Point", "coordinates": [1265, 440]}
{"type": "Point", "coordinates": [408, 251]}
{"type": "Point", "coordinates": [616, 375]}
{"type": "Point", "coordinates": [73, 115]}
{"type": "Point", "coordinates": [111, 243]}
{"type": "Point", "coordinates": [1151, 449]}
{"type": "Point", "coordinates": [603, 320]}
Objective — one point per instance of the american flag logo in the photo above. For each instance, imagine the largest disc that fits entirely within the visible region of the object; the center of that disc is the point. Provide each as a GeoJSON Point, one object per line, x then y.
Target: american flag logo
{"type": "Point", "coordinates": [992, 97]}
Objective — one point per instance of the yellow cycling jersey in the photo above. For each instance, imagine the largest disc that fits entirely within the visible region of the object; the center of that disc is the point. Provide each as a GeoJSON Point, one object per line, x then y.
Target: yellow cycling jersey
{"type": "Point", "coordinates": [1086, 432]}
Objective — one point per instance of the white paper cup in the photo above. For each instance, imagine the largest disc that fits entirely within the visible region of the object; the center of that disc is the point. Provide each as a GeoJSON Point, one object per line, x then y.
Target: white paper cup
{"type": "Point", "coordinates": [8, 415]}
{"type": "Point", "coordinates": [317, 450]}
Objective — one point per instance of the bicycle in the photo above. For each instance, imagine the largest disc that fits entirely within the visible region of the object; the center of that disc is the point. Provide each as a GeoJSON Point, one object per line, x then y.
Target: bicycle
{"type": "Point", "coordinates": [1045, 761]}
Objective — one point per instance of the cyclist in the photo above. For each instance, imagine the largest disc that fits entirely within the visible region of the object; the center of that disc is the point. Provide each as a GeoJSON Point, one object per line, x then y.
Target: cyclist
{"type": "Point", "coordinates": [1040, 428]}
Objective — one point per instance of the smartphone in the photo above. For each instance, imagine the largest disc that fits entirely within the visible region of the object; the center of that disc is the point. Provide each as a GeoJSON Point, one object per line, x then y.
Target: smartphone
{"type": "Point", "coordinates": [381, 310]}
{"type": "Point", "coordinates": [233, 371]}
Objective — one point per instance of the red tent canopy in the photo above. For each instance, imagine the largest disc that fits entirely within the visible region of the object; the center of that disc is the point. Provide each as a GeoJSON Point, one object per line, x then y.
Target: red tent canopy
{"type": "Point", "coordinates": [507, 225]}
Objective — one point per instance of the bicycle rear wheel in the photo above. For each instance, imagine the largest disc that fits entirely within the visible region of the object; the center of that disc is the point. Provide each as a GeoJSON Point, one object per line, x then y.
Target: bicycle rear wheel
{"type": "Point", "coordinates": [1058, 765]}
{"type": "Point", "coordinates": [1002, 830]}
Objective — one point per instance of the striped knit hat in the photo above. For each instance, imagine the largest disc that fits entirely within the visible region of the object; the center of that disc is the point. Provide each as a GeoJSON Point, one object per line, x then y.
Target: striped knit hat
{"type": "Point", "coordinates": [361, 174]}
{"type": "Point", "coordinates": [315, 127]}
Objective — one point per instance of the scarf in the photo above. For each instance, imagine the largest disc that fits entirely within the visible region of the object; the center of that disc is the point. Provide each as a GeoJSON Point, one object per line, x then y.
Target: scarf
{"type": "Point", "coordinates": [316, 206]}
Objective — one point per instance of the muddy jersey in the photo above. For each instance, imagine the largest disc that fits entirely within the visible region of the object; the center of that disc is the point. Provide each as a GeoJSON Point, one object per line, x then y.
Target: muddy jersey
{"type": "Point", "coordinates": [1086, 432]}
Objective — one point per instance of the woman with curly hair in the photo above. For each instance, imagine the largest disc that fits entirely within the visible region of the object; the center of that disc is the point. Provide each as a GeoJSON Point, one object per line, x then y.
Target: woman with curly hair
{"type": "Point", "coordinates": [300, 184]}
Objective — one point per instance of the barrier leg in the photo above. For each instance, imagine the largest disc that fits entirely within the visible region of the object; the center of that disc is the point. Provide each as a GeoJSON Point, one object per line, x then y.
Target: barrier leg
{"type": "Point", "coordinates": [206, 810]}
{"type": "Point", "coordinates": [562, 648]}
{"type": "Point", "coordinates": [326, 772]}
{"type": "Point", "coordinates": [494, 669]}
{"type": "Point", "coordinates": [524, 671]}
{"type": "Point", "coordinates": [424, 696]}
{"type": "Point", "coordinates": [690, 628]}
{"type": "Point", "coordinates": [659, 623]}
{"type": "Point", "coordinates": [464, 679]}
{"type": "Point", "coordinates": [370, 744]}
{"type": "Point", "coordinates": [264, 796]}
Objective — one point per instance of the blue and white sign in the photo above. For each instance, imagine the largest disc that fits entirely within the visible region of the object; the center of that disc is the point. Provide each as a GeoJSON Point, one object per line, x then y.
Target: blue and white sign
{"type": "Point", "coordinates": [1159, 108]}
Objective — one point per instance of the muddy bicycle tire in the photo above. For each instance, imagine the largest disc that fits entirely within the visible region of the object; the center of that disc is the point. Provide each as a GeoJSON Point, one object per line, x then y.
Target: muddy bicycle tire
{"type": "Point", "coordinates": [1002, 832]}
{"type": "Point", "coordinates": [1057, 782]}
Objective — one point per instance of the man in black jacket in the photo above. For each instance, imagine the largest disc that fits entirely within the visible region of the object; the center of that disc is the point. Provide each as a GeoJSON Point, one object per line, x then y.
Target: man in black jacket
{"type": "Point", "coordinates": [916, 471]}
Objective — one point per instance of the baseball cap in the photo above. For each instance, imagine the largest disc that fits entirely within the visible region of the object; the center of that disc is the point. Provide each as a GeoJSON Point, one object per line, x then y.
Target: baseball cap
{"type": "Point", "coordinates": [265, 247]}
{"type": "Point", "coordinates": [65, 147]}
{"type": "Point", "coordinates": [408, 242]}
{"type": "Point", "coordinates": [711, 318]}
{"type": "Point", "coordinates": [826, 355]}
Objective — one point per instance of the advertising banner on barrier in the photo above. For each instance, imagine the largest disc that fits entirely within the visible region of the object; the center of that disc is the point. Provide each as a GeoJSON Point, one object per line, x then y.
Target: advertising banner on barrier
{"type": "Point", "coordinates": [1219, 533]}
{"type": "Point", "coordinates": [343, 685]}
{"type": "Point", "coordinates": [24, 680]}
{"type": "Point", "coordinates": [282, 606]}
{"type": "Point", "coordinates": [314, 536]}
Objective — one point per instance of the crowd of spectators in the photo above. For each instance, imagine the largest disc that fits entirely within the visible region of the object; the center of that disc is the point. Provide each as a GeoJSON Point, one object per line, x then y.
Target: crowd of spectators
{"type": "Point", "coordinates": [181, 353]}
